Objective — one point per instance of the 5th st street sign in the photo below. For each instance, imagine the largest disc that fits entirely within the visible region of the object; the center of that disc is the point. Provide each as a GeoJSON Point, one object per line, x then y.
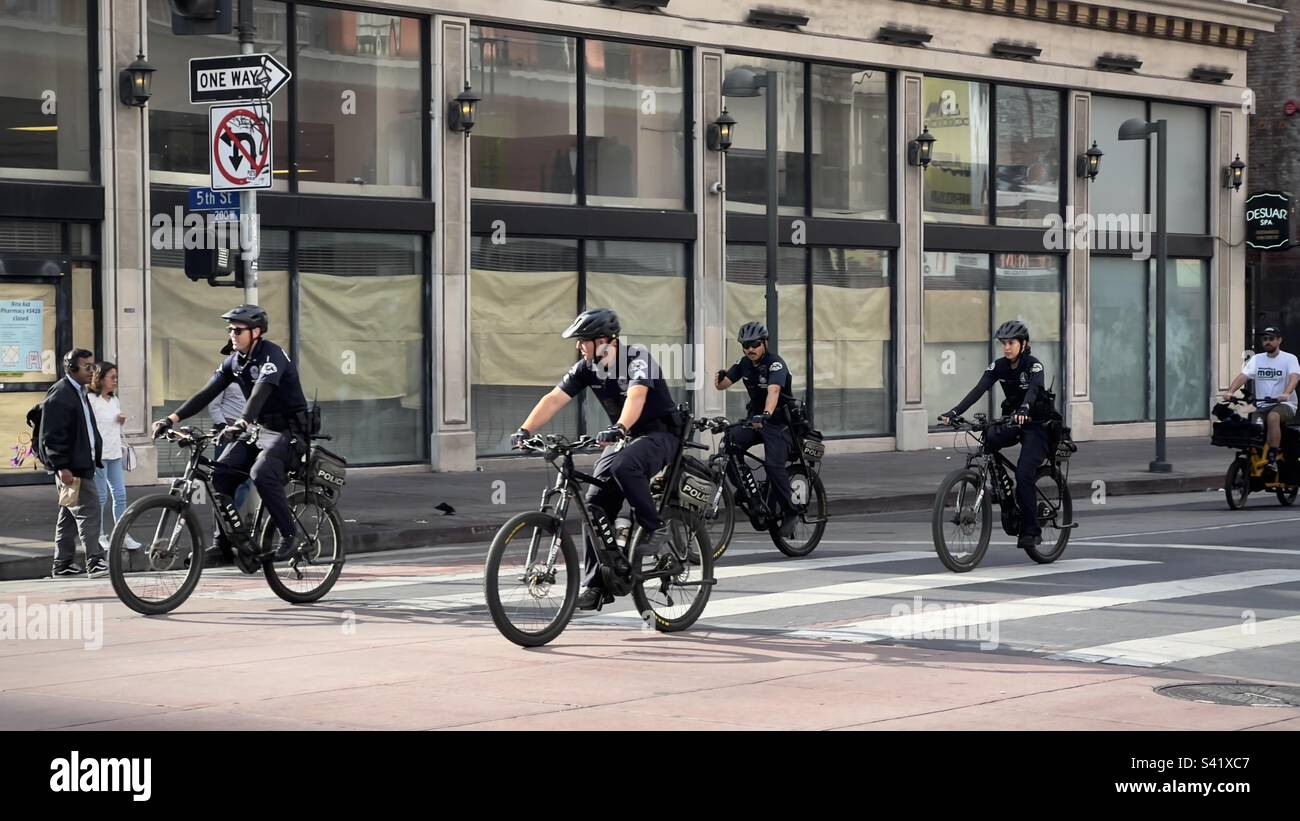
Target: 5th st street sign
{"type": "Point", "coordinates": [236, 78]}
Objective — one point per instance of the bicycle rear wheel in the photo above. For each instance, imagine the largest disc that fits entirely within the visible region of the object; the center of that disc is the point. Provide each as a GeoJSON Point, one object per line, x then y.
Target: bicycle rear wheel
{"type": "Point", "coordinates": [720, 521]}
{"type": "Point", "coordinates": [530, 601]}
{"type": "Point", "coordinates": [673, 603]}
{"type": "Point", "coordinates": [961, 529]}
{"type": "Point", "coordinates": [320, 544]}
{"type": "Point", "coordinates": [809, 499]}
{"type": "Point", "coordinates": [157, 576]}
{"type": "Point", "coordinates": [1055, 512]}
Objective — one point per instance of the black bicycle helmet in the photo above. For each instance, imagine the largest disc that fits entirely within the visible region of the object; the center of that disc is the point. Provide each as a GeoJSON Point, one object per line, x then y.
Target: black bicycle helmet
{"type": "Point", "coordinates": [593, 324]}
{"type": "Point", "coordinates": [251, 315]}
{"type": "Point", "coordinates": [752, 332]}
{"type": "Point", "coordinates": [1012, 329]}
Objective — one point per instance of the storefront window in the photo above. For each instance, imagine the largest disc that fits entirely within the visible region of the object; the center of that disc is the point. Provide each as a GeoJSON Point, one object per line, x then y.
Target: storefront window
{"type": "Point", "coordinates": [361, 325]}
{"type": "Point", "coordinates": [747, 302]}
{"type": "Point", "coordinates": [850, 150]}
{"type": "Point", "coordinates": [523, 294]}
{"type": "Point", "coordinates": [1118, 189]}
{"type": "Point", "coordinates": [1028, 155]}
{"type": "Point", "coordinates": [526, 139]}
{"type": "Point", "coordinates": [957, 340]}
{"type": "Point", "coordinates": [178, 130]}
{"type": "Point", "coordinates": [957, 180]}
{"type": "Point", "coordinates": [635, 126]}
{"type": "Point", "coordinates": [1028, 288]}
{"type": "Point", "coordinates": [45, 104]}
{"type": "Point", "coordinates": [747, 159]}
{"type": "Point", "coordinates": [1187, 340]}
{"type": "Point", "coordinates": [1189, 166]}
{"type": "Point", "coordinates": [852, 342]}
{"type": "Point", "coordinates": [360, 112]}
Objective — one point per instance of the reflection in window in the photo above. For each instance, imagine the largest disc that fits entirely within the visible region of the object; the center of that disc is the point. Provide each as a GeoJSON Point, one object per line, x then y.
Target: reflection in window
{"type": "Point", "coordinates": [45, 90]}
{"type": "Point", "coordinates": [1029, 155]}
{"type": "Point", "coordinates": [359, 102]}
{"type": "Point", "coordinates": [635, 126]}
{"type": "Point", "coordinates": [850, 150]}
{"type": "Point", "coordinates": [747, 159]}
{"type": "Point", "coordinates": [178, 130]}
{"type": "Point", "coordinates": [1117, 330]}
{"type": "Point", "coordinates": [1029, 289]}
{"type": "Point", "coordinates": [523, 294]}
{"type": "Point", "coordinates": [526, 139]}
{"type": "Point", "coordinates": [746, 301]}
{"type": "Point", "coordinates": [957, 181]}
{"type": "Point", "coordinates": [362, 348]}
{"type": "Point", "coordinates": [1187, 341]}
{"type": "Point", "coordinates": [957, 347]}
{"type": "Point", "coordinates": [852, 341]}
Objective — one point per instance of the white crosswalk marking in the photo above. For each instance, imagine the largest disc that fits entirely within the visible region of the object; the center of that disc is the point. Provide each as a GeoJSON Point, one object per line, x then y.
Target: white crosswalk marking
{"type": "Point", "coordinates": [1194, 644]}
{"type": "Point", "coordinates": [951, 619]}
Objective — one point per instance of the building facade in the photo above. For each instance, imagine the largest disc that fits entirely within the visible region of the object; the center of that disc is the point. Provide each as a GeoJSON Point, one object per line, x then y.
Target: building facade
{"type": "Point", "coordinates": [421, 277]}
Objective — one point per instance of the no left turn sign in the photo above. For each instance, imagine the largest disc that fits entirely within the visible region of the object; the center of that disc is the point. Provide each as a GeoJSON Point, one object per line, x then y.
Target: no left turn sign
{"type": "Point", "coordinates": [240, 136]}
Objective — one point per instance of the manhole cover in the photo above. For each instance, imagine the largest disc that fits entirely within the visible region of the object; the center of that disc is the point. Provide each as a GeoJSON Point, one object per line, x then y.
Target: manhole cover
{"type": "Point", "coordinates": [1237, 695]}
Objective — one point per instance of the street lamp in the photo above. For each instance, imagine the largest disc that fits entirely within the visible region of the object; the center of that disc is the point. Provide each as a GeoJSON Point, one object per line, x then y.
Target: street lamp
{"type": "Point", "coordinates": [920, 149]}
{"type": "Point", "coordinates": [1136, 129]}
{"type": "Point", "coordinates": [1234, 174]}
{"type": "Point", "coordinates": [746, 82]}
{"type": "Point", "coordinates": [720, 132]}
{"type": "Point", "coordinates": [460, 114]}
{"type": "Point", "coordinates": [1089, 163]}
{"type": "Point", "coordinates": [134, 82]}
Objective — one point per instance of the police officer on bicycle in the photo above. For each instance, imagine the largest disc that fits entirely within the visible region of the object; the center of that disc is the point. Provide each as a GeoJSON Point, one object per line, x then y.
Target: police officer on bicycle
{"type": "Point", "coordinates": [275, 406]}
{"type": "Point", "coordinates": [1023, 384]}
{"type": "Point", "coordinates": [640, 407]}
{"type": "Point", "coordinates": [767, 379]}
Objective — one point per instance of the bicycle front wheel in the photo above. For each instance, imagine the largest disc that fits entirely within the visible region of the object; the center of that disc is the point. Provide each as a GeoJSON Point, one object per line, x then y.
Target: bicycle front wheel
{"type": "Point", "coordinates": [530, 597]}
{"type": "Point", "coordinates": [156, 554]}
{"type": "Point", "coordinates": [960, 527]}
{"type": "Point", "coordinates": [310, 576]}
{"type": "Point", "coordinates": [673, 602]}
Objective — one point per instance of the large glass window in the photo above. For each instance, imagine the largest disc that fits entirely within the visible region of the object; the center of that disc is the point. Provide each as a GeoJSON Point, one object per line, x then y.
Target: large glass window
{"type": "Point", "coordinates": [957, 339]}
{"type": "Point", "coordinates": [850, 150]}
{"type": "Point", "coordinates": [359, 102]}
{"type": "Point", "coordinates": [361, 323]}
{"type": "Point", "coordinates": [1189, 166]}
{"type": "Point", "coordinates": [1119, 188]}
{"type": "Point", "coordinates": [526, 137]}
{"type": "Point", "coordinates": [1028, 287]}
{"type": "Point", "coordinates": [506, 383]}
{"type": "Point", "coordinates": [178, 130]}
{"type": "Point", "coordinates": [45, 105]}
{"type": "Point", "coordinates": [747, 158]}
{"type": "Point", "coordinates": [957, 181]}
{"type": "Point", "coordinates": [1028, 154]}
{"type": "Point", "coordinates": [746, 301]}
{"type": "Point", "coordinates": [1122, 328]}
{"type": "Point", "coordinates": [635, 120]}
{"type": "Point", "coordinates": [852, 341]}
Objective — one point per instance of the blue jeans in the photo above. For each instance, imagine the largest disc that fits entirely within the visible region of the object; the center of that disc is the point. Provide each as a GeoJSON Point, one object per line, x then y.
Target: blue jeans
{"type": "Point", "coordinates": [111, 477]}
{"type": "Point", "coordinates": [241, 493]}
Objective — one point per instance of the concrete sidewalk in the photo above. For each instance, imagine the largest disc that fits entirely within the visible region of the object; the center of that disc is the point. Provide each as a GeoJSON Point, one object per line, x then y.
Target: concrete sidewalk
{"type": "Point", "coordinates": [395, 508]}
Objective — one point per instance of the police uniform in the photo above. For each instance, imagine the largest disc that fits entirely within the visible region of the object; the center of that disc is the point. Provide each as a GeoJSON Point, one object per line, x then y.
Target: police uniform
{"type": "Point", "coordinates": [279, 416]}
{"type": "Point", "coordinates": [1022, 386]}
{"type": "Point", "coordinates": [775, 434]}
{"type": "Point", "coordinates": [655, 440]}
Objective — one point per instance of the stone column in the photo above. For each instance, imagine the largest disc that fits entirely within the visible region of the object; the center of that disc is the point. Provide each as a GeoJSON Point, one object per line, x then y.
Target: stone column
{"type": "Point", "coordinates": [1078, 411]}
{"type": "Point", "coordinates": [912, 421]}
{"type": "Point", "coordinates": [711, 251]}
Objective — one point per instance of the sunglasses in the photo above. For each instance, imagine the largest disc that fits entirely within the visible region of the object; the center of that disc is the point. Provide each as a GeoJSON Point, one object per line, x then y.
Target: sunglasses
{"type": "Point", "coordinates": [749, 346]}
{"type": "Point", "coordinates": [237, 331]}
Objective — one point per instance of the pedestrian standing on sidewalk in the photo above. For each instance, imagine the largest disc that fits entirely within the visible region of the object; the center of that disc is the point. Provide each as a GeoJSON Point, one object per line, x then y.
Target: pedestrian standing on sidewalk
{"type": "Point", "coordinates": [109, 419]}
{"type": "Point", "coordinates": [70, 447]}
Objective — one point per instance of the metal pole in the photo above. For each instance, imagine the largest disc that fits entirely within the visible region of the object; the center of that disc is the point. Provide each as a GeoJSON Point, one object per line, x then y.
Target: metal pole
{"type": "Point", "coordinates": [1161, 463]}
{"type": "Point", "coordinates": [773, 225]}
{"type": "Point", "coordinates": [247, 37]}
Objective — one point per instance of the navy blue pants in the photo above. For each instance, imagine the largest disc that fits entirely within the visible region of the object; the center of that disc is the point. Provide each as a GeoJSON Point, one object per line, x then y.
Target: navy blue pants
{"type": "Point", "coordinates": [628, 472]}
{"type": "Point", "coordinates": [776, 452]}
{"type": "Point", "coordinates": [269, 471]}
{"type": "Point", "coordinates": [1032, 438]}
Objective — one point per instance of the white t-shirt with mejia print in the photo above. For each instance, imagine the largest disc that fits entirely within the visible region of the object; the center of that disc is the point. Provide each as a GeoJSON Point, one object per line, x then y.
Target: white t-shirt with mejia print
{"type": "Point", "coordinates": [1272, 374]}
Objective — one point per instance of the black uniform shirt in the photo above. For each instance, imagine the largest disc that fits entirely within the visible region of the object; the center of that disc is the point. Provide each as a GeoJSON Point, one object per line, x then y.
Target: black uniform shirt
{"type": "Point", "coordinates": [633, 367]}
{"type": "Point", "coordinates": [770, 370]}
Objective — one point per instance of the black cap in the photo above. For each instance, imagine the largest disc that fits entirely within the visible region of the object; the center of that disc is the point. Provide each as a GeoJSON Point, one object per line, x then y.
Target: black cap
{"type": "Point", "coordinates": [1270, 331]}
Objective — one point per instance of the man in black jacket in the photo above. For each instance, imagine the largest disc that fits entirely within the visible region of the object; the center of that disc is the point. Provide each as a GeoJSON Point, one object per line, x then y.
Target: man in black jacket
{"type": "Point", "coordinates": [71, 448]}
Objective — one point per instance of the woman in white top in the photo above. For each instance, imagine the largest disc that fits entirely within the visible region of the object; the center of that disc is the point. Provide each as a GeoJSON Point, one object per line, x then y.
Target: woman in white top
{"type": "Point", "coordinates": [109, 419]}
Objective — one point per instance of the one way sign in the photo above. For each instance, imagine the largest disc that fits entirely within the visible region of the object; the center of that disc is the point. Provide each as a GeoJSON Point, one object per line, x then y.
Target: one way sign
{"type": "Point", "coordinates": [236, 77]}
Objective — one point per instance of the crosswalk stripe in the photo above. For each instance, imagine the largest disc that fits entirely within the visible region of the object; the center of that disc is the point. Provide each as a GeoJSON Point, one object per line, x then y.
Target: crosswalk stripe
{"type": "Point", "coordinates": [940, 621]}
{"type": "Point", "coordinates": [1194, 644]}
{"type": "Point", "coordinates": [892, 586]}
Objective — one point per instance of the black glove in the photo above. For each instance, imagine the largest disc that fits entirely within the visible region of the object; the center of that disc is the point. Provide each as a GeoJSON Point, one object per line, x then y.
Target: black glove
{"type": "Point", "coordinates": [610, 435]}
{"type": "Point", "coordinates": [719, 376]}
{"type": "Point", "coordinates": [517, 439]}
{"type": "Point", "coordinates": [950, 416]}
{"type": "Point", "coordinates": [161, 426]}
{"type": "Point", "coordinates": [234, 430]}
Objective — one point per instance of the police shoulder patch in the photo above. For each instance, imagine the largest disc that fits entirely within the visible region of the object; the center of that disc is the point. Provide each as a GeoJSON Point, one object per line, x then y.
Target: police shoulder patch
{"type": "Point", "coordinates": [776, 366]}
{"type": "Point", "coordinates": [269, 368]}
{"type": "Point", "coordinates": [992, 365]}
{"type": "Point", "coordinates": [1037, 368]}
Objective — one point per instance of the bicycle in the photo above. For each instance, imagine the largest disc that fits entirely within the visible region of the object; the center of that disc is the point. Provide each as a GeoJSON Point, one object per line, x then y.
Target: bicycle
{"type": "Point", "coordinates": [963, 503]}
{"type": "Point", "coordinates": [521, 576]}
{"type": "Point", "coordinates": [161, 574]}
{"type": "Point", "coordinates": [1246, 473]}
{"type": "Point", "coordinates": [755, 497]}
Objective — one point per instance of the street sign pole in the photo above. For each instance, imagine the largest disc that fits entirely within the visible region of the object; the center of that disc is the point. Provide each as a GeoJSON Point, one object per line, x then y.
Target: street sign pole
{"type": "Point", "coordinates": [247, 36]}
